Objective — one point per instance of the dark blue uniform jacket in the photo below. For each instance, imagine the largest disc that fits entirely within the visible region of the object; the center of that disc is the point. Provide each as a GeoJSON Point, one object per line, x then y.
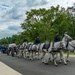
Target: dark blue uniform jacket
{"type": "Point", "coordinates": [57, 38]}
{"type": "Point", "coordinates": [37, 41]}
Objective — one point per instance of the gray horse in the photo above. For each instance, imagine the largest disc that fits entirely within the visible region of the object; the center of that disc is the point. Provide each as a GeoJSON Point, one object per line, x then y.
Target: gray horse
{"type": "Point", "coordinates": [69, 45]}
{"type": "Point", "coordinates": [22, 50]}
{"type": "Point", "coordinates": [52, 53]}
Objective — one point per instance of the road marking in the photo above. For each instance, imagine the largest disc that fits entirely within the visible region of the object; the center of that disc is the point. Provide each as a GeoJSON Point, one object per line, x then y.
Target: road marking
{"type": "Point", "coordinates": [6, 70]}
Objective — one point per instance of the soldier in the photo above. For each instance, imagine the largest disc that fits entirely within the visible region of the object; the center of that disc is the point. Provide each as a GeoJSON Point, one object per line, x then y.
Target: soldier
{"type": "Point", "coordinates": [37, 41]}
{"type": "Point", "coordinates": [56, 39]}
{"type": "Point", "coordinates": [25, 40]}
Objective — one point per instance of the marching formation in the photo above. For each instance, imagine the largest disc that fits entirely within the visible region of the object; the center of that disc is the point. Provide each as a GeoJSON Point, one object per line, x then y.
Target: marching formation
{"type": "Point", "coordinates": [47, 52]}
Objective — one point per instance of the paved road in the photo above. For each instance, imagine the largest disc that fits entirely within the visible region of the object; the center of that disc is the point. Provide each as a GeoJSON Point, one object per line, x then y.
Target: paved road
{"type": "Point", "coordinates": [27, 67]}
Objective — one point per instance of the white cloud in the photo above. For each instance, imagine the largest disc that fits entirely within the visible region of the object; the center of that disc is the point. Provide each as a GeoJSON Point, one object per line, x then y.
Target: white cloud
{"type": "Point", "coordinates": [12, 12]}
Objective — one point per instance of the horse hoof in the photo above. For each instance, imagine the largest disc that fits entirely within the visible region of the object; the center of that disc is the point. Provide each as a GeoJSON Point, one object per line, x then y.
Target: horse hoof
{"type": "Point", "coordinates": [8, 54]}
{"type": "Point", "coordinates": [60, 62]}
{"type": "Point", "coordinates": [67, 60]}
{"type": "Point", "coordinates": [41, 58]}
{"type": "Point", "coordinates": [18, 57]}
{"type": "Point", "coordinates": [31, 59]}
{"type": "Point", "coordinates": [12, 55]}
{"type": "Point", "coordinates": [38, 58]}
{"type": "Point", "coordinates": [42, 61]}
{"type": "Point", "coordinates": [46, 63]}
{"type": "Point", "coordinates": [24, 57]}
{"type": "Point", "coordinates": [50, 61]}
{"type": "Point", "coordinates": [27, 56]}
{"type": "Point", "coordinates": [65, 64]}
{"type": "Point", "coordinates": [56, 65]}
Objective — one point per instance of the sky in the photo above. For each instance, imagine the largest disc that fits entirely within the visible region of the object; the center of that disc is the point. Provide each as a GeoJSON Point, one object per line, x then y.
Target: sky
{"type": "Point", "coordinates": [12, 13]}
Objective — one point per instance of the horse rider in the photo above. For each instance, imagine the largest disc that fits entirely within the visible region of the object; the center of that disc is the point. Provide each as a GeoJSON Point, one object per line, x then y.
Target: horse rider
{"type": "Point", "coordinates": [56, 39]}
{"type": "Point", "coordinates": [37, 41]}
{"type": "Point", "coordinates": [25, 40]}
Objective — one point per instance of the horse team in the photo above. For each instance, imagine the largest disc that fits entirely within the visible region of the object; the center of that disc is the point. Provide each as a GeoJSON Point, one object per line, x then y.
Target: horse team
{"type": "Point", "coordinates": [44, 51]}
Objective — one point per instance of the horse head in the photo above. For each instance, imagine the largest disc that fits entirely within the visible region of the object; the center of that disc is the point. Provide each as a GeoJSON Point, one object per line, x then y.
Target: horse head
{"type": "Point", "coordinates": [66, 38]}
{"type": "Point", "coordinates": [24, 44]}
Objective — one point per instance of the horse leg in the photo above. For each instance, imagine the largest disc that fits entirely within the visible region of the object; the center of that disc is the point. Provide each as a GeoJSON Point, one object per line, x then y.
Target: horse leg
{"type": "Point", "coordinates": [50, 59]}
{"type": "Point", "coordinates": [64, 60]}
{"type": "Point", "coordinates": [54, 59]}
{"type": "Point", "coordinates": [29, 54]}
{"type": "Point", "coordinates": [24, 53]}
{"type": "Point", "coordinates": [55, 56]}
{"type": "Point", "coordinates": [32, 55]}
{"type": "Point", "coordinates": [8, 52]}
{"type": "Point", "coordinates": [43, 57]}
{"type": "Point", "coordinates": [46, 58]}
{"type": "Point", "coordinates": [74, 52]}
{"type": "Point", "coordinates": [35, 54]}
{"type": "Point", "coordinates": [12, 52]}
{"type": "Point", "coordinates": [16, 51]}
{"type": "Point", "coordinates": [38, 54]}
{"type": "Point", "coordinates": [60, 54]}
{"type": "Point", "coordinates": [20, 53]}
{"type": "Point", "coordinates": [67, 59]}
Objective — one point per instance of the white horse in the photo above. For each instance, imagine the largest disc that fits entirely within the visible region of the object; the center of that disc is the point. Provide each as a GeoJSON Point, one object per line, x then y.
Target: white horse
{"type": "Point", "coordinates": [52, 53]}
{"type": "Point", "coordinates": [30, 49]}
{"type": "Point", "coordinates": [70, 45]}
{"type": "Point", "coordinates": [22, 50]}
{"type": "Point", "coordinates": [41, 48]}
{"type": "Point", "coordinates": [70, 48]}
{"type": "Point", "coordinates": [37, 49]}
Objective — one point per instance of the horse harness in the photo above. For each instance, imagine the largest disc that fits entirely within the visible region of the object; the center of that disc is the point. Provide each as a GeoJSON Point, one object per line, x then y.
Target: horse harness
{"type": "Point", "coordinates": [71, 45]}
{"type": "Point", "coordinates": [58, 49]}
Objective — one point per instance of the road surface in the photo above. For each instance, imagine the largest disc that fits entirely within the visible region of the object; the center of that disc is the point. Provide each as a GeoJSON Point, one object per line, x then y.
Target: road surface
{"type": "Point", "coordinates": [19, 66]}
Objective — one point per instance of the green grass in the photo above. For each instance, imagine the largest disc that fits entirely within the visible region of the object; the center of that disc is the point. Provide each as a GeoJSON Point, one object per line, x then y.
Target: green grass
{"type": "Point", "coordinates": [71, 53]}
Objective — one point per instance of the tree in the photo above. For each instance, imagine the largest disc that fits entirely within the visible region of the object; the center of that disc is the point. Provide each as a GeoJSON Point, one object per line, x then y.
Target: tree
{"type": "Point", "coordinates": [45, 22]}
{"type": "Point", "coordinates": [3, 41]}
